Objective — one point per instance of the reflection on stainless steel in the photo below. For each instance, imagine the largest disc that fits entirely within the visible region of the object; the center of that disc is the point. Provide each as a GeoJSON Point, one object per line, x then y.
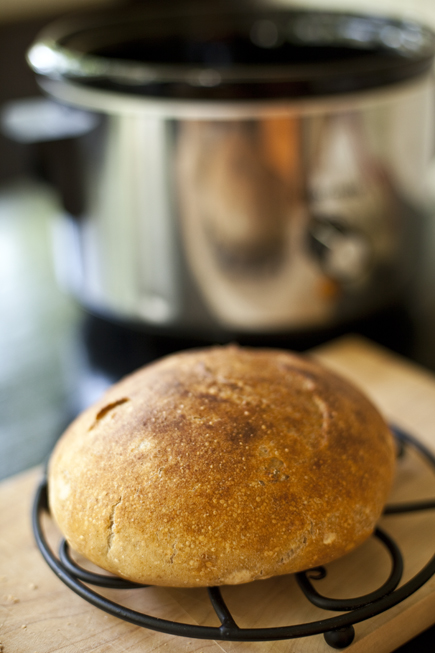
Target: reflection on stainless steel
{"type": "Point", "coordinates": [268, 221]}
{"type": "Point", "coordinates": [286, 220]}
{"type": "Point", "coordinates": [120, 255]}
{"type": "Point", "coordinates": [243, 219]}
{"type": "Point", "coordinates": [353, 201]}
{"type": "Point", "coordinates": [232, 196]}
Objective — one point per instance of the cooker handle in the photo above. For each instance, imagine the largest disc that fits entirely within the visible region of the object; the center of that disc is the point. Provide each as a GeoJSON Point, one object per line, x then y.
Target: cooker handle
{"type": "Point", "coordinates": [51, 131]}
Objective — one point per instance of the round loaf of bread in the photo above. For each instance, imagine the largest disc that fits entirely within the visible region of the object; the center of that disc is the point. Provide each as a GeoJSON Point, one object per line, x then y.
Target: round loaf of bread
{"type": "Point", "coordinates": [222, 466]}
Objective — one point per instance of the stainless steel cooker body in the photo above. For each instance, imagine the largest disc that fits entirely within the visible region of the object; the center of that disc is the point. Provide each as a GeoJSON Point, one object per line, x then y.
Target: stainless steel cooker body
{"type": "Point", "coordinates": [252, 214]}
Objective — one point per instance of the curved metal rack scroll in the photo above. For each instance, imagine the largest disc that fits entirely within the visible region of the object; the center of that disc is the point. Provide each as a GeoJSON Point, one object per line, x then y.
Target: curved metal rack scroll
{"type": "Point", "coordinates": [338, 631]}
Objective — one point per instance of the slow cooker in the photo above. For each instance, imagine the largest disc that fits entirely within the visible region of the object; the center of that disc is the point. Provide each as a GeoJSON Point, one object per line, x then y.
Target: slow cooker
{"type": "Point", "coordinates": [243, 171]}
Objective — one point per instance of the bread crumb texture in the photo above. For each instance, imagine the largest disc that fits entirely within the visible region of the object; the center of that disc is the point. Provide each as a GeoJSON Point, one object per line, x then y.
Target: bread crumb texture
{"type": "Point", "coordinates": [222, 466]}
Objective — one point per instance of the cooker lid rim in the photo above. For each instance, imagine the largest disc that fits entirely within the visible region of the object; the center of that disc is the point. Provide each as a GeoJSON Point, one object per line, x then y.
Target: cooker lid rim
{"type": "Point", "coordinates": [50, 55]}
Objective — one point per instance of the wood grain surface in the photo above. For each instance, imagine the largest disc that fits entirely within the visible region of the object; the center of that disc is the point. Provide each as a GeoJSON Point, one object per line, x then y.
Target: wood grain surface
{"type": "Point", "coordinates": [38, 614]}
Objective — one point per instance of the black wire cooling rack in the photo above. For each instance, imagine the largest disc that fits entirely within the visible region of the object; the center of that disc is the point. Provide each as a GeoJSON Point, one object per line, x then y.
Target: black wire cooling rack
{"type": "Point", "coordinates": [338, 631]}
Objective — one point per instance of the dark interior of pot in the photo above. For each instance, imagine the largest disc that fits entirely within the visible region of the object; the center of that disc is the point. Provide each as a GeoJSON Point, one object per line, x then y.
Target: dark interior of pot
{"type": "Point", "coordinates": [228, 39]}
{"type": "Point", "coordinates": [262, 46]}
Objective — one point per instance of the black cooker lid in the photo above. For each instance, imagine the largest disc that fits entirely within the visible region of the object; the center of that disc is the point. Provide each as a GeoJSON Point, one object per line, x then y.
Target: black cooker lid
{"type": "Point", "coordinates": [221, 54]}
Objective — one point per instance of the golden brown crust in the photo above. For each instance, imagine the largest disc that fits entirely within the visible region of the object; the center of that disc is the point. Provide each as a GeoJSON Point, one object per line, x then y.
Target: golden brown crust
{"type": "Point", "coordinates": [221, 466]}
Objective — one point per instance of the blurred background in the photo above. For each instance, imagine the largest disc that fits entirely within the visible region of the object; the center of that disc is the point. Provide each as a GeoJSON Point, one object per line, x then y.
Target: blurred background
{"type": "Point", "coordinates": [56, 353]}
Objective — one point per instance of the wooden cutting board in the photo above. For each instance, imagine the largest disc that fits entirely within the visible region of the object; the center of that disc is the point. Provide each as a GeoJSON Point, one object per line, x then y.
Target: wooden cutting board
{"type": "Point", "coordinates": [38, 614]}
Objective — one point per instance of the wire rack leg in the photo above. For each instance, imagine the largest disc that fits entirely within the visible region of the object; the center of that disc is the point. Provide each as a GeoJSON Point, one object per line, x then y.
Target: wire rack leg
{"type": "Point", "coordinates": [340, 638]}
